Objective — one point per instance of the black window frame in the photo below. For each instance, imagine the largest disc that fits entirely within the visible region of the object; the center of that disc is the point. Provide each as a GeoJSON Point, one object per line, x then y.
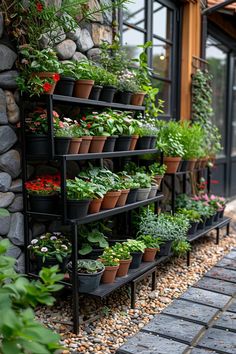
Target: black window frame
{"type": "Point", "coordinates": [175, 63]}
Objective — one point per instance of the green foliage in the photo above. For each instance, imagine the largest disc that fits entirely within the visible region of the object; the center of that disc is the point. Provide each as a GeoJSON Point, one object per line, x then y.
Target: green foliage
{"type": "Point", "coordinates": [193, 140]}
{"type": "Point", "coordinates": [92, 235]}
{"type": "Point", "coordinates": [180, 247]}
{"type": "Point", "coordinates": [19, 331]}
{"type": "Point", "coordinates": [142, 179]}
{"type": "Point", "coordinates": [191, 215]}
{"type": "Point", "coordinates": [150, 241]}
{"type": "Point", "coordinates": [156, 169]}
{"type": "Point", "coordinates": [135, 245]}
{"type": "Point", "coordinates": [121, 250]}
{"type": "Point", "coordinates": [88, 266]}
{"type": "Point", "coordinates": [109, 257]}
{"type": "Point", "coordinates": [169, 139]}
{"type": "Point", "coordinates": [80, 189]}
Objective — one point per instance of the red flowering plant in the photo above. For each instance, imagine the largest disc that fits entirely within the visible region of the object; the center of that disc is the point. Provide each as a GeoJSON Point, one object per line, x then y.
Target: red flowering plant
{"type": "Point", "coordinates": [33, 63]}
{"type": "Point", "coordinates": [37, 122]}
{"type": "Point", "coordinates": [44, 185]}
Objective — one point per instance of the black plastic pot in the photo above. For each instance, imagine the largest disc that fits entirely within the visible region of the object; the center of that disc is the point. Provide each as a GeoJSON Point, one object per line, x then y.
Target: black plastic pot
{"type": "Point", "coordinates": [50, 262]}
{"type": "Point", "coordinates": [87, 282]}
{"type": "Point", "coordinates": [95, 92]}
{"type": "Point", "coordinates": [221, 214]}
{"type": "Point", "coordinates": [37, 144]}
{"type": "Point", "coordinates": [153, 142]}
{"type": "Point", "coordinates": [183, 166]}
{"type": "Point", "coordinates": [136, 259]}
{"type": "Point", "coordinates": [132, 196]}
{"type": "Point", "coordinates": [123, 143]}
{"type": "Point", "coordinates": [123, 97]}
{"type": "Point", "coordinates": [110, 143]}
{"type": "Point", "coordinates": [165, 249]}
{"type": "Point", "coordinates": [44, 204]}
{"type": "Point", "coordinates": [107, 93]}
{"type": "Point", "coordinates": [201, 225]}
{"type": "Point", "coordinates": [143, 143]}
{"type": "Point", "coordinates": [62, 145]}
{"type": "Point", "coordinates": [193, 228]}
{"type": "Point", "coordinates": [209, 221]}
{"type": "Point", "coordinates": [65, 86]}
{"type": "Point", "coordinates": [217, 216]}
{"type": "Point", "coordinates": [77, 209]}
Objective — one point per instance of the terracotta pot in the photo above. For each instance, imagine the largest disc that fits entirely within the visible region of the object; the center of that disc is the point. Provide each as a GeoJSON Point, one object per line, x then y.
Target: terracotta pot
{"type": "Point", "coordinates": [110, 199]}
{"type": "Point", "coordinates": [109, 274]}
{"type": "Point", "coordinates": [122, 198]}
{"type": "Point", "coordinates": [47, 75]}
{"type": "Point", "coordinates": [75, 145]}
{"type": "Point", "coordinates": [83, 88]}
{"type": "Point", "coordinates": [172, 164]}
{"type": "Point", "coordinates": [158, 179]}
{"type": "Point", "coordinates": [191, 164]}
{"type": "Point", "coordinates": [134, 139]}
{"type": "Point", "coordinates": [95, 205]}
{"type": "Point", "coordinates": [149, 254]}
{"type": "Point", "coordinates": [97, 144]}
{"type": "Point", "coordinates": [85, 144]}
{"type": "Point", "coordinates": [124, 267]}
{"type": "Point", "coordinates": [197, 164]}
{"type": "Point", "coordinates": [138, 98]}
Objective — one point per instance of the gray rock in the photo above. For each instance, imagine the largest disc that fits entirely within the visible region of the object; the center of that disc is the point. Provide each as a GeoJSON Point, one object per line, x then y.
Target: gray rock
{"type": "Point", "coordinates": [5, 181]}
{"type": "Point", "coordinates": [8, 58]}
{"type": "Point", "coordinates": [20, 264]}
{"type": "Point", "coordinates": [6, 199]}
{"type": "Point", "coordinates": [3, 108]}
{"type": "Point", "coordinates": [1, 24]}
{"type": "Point", "coordinates": [66, 49]}
{"type": "Point", "coordinates": [16, 186]}
{"type": "Point", "coordinates": [94, 54]}
{"type": "Point", "coordinates": [101, 33]}
{"type": "Point", "coordinates": [13, 251]}
{"type": "Point", "coordinates": [52, 38]}
{"type": "Point", "coordinates": [4, 221]}
{"type": "Point", "coordinates": [16, 232]}
{"type": "Point", "coordinates": [13, 111]}
{"type": "Point", "coordinates": [231, 255]}
{"type": "Point", "coordinates": [7, 138]}
{"type": "Point", "coordinates": [74, 35]}
{"type": "Point", "coordinates": [95, 6]}
{"type": "Point", "coordinates": [38, 229]}
{"type": "Point", "coordinates": [10, 162]}
{"type": "Point", "coordinates": [8, 80]}
{"type": "Point", "coordinates": [17, 204]}
{"type": "Point", "coordinates": [79, 56]}
{"type": "Point", "coordinates": [107, 14]}
{"type": "Point", "coordinates": [85, 41]}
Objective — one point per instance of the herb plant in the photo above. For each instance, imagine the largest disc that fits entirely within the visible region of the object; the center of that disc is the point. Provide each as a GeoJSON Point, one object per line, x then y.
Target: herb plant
{"type": "Point", "coordinates": [135, 245]}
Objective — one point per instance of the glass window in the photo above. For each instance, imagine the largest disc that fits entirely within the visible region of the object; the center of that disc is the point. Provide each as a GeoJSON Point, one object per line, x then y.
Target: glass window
{"type": "Point", "coordinates": [135, 13]}
{"type": "Point", "coordinates": [234, 113]}
{"type": "Point", "coordinates": [162, 20]}
{"type": "Point", "coordinates": [132, 38]}
{"type": "Point", "coordinates": [163, 94]}
{"type": "Point", "coordinates": [217, 60]}
{"type": "Point", "coordinates": [161, 58]}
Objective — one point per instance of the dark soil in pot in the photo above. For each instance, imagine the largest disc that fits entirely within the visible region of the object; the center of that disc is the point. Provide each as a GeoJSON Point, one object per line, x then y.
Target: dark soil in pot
{"type": "Point", "coordinates": [107, 93]}
{"type": "Point", "coordinates": [110, 143]}
{"type": "Point", "coordinates": [95, 93]}
{"type": "Point", "coordinates": [77, 209]}
{"type": "Point", "coordinates": [62, 145]}
{"type": "Point", "coordinates": [136, 259]}
{"type": "Point", "coordinates": [65, 86]}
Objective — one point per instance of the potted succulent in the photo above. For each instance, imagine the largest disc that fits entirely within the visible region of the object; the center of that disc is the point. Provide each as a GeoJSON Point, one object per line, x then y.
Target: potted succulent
{"type": "Point", "coordinates": [66, 84]}
{"type": "Point", "coordinates": [152, 246]}
{"type": "Point", "coordinates": [50, 249]}
{"type": "Point", "coordinates": [157, 172]}
{"type": "Point", "coordinates": [111, 263]}
{"type": "Point", "coordinates": [43, 193]}
{"type": "Point", "coordinates": [83, 71]}
{"type": "Point", "coordinates": [144, 182]}
{"type": "Point", "coordinates": [109, 83]}
{"type": "Point", "coordinates": [123, 254]}
{"type": "Point", "coordinates": [126, 86]}
{"type": "Point", "coordinates": [79, 195]}
{"type": "Point", "coordinates": [136, 249]}
{"type": "Point", "coordinates": [39, 71]}
{"type": "Point", "coordinates": [89, 273]}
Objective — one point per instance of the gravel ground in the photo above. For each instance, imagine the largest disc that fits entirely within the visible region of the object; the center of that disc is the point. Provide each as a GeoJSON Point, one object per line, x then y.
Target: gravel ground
{"type": "Point", "coordinates": [106, 325]}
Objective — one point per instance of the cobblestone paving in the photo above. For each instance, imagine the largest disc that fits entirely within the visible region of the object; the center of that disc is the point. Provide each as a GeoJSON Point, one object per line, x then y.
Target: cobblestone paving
{"type": "Point", "coordinates": [201, 321]}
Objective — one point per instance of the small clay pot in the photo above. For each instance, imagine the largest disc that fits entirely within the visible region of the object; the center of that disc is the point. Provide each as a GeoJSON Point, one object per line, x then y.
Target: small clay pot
{"type": "Point", "coordinates": [95, 205]}
{"type": "Point", "coordinates": [74, 145]}
{"type": "Point", "coordinates": [97, 144]}
{"type": "Point", "coordinates": [47, 75]}
{"type": "Point", "coordinates": [149, 254]}
{"type": "Point", "coordinates": [122, 198]}
{"type": "Point", "coordinates": [172, 164]}
{"type": "Point", "coordinates": [158, 179]}
{"type": "Point", "coordinates": [109, 274]}
{"type": "Point", "coordinates": [134, 140]}
{"type": "Point", "coordinates": [85, 144]}
{"type": "Point", "coordinates": [138, 98]}
{"type": "Point", "coordinates": [124, 267]}
{"type": "Point", "coordinates": [83, 88]}
{"type": "Point", "coordinates": [110, 199]}
{"type": "Point", "coordinates": [191, 164]}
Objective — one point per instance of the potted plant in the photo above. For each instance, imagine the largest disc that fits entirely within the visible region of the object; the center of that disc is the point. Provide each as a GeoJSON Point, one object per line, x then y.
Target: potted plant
{"type": "Point", "coordinates": [206, 211]}
{"type": "Point", "coordinates": [83, 71]}
{"type": "Point", "coordinates": [89, 273]}
{"type": "Point", "coordinates": [180, 247]}
{"type": "Point", "coordinates": [65, 85]}
{"type": "Point", "coordinates": [93, 240]}
{"type": "Point", "coordinates": [76, 133]}
{"type": "Point", "coordinates": [39, 71]}
{"type": "Point", "coordinates": [136, 249]}
{"type": "Point", "coordinates": [43, 193]}
{"type": "Point", "coordinates": [133, 187]}
{"type": "Point", "coordinates": [62, 138]}
{"type": "Point", "coordinates": [98, 74]}
{"type": "Point", "coordinates": [111, 263]}
{"type": "Point", "coordinates": [152, 246]}
{"type": "Point", "coordinates": [144, 182]}
{"type": "Point", "coordinates": [123, 254]}
{"type": "Point", "coordinates": [109, 83]}
{"type": "Point", "coordinates": [194, 218]}
{"type": "Point", "coordinates": [50, 249]}
{"type": "Point", "coordinates": [99, 192]}
{"type": "Point", "coordinates": [157, 172]}
{"type": "Point", "coordinates": [146, 138]}
{"type": "Point", "coordinates": [79, 194]}
{"type": "Point", "coordinates": [126, 86]}
{"type": "Point", "coordinates": [125, 128]}
{"type": "Point", "coordinates": [86, 135]}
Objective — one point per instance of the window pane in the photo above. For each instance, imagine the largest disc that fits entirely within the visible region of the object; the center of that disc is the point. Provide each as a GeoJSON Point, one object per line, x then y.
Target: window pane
{"type": "Point", "coordinates": [217, 60]}
{"type": "Point", "coordinates": [161, 58]}
{"type": "Point", "coordinates": [164, 94]}
{"type": "Point", "coordinates": [135, 13]}
{"type": "Point", "coordinates": [162, 21]}
{"type": "Point", "coordinates": [132, 38]}
{"type": "Point", "coordinates": [234, 113]}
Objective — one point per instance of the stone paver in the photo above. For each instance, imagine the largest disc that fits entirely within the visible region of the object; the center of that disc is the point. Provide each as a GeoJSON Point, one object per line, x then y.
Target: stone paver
{"type": "Point", "coordinates": [227, 263]}
{"type": "Point", "coordinates": [144, 343]}
{"type": "Point", "coordinates": [202, 351]}
{"type": "Point", "coordinates": [232, 254]}
{"type": "Point", "coordinates": [223, 274]}
{"type": "Point", "coordinates": [174, 328]}
{"type": "Point", "coordinates": [223, 287]}
{"type": "Point", "coordinates": [232, 307]}
{"type": "Point", "coordinates": [191, 311]}
{"type": "Point", "coordinates": [206, 297]}
{"type": "Point", "coordinates": [220, 340]}
{"type": "Point", "coordinates": [227, 321]}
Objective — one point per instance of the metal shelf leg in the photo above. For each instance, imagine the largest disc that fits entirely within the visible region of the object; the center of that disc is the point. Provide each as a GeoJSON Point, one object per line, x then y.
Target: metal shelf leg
{"type": "Point", "coordinates": [133, 294]}
{"type": "Point", "coordinates": [217, 236]}
{"type": "Point", "coordinates": [188, 259]}
{"type": "Point", "coordinates": [75, 285]}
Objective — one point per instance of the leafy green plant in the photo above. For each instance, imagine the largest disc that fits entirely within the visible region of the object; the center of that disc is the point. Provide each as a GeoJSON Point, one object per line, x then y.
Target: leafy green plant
{"type": "Point", "coordinates": [88, 266]}
{"type": "Point", "coordinates": [80, 189]}
{"type": "Point", "coordinates": [135, 245]}
{"type": "Point", "coordinates": [191, 215]}
{"type": "Point", "coordinates": [91, 237]}
{"type": "Point", "coordinates": [169, 139]}
{"type": "Point", "coordinates": [109, 257]}
{"type": "Point", "coordinates": [20, 332]}
{"type": "Point", "coordinates": [101, 176]}
{"type": "Point", "coordinates": [193, 140]}
{"type": "Point", "coordinates": [170, 228]}
{"type": "Point", "coordinates": [143, 179]}
{"type": "Point", "coordinates": [127, 82]}
{"type": "Point", "coordinates": [131, 168]}
{"type": "Point", "coordinates": [147, 222]}
{"type": "Point", "coordinates": [180, 247]}
{"type": "Point", "coordinates": [157, 169]}
{"type": "Point", "coordinates": [150, 241]}
{"type": "Point", "coordinates": [122, 251]}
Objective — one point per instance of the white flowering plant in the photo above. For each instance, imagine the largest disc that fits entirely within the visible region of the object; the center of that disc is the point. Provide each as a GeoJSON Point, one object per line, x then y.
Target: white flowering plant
{"type": "Point", "coordinates": [51, 245]}
{"type": "Point", "coordinates": [127, 82]}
